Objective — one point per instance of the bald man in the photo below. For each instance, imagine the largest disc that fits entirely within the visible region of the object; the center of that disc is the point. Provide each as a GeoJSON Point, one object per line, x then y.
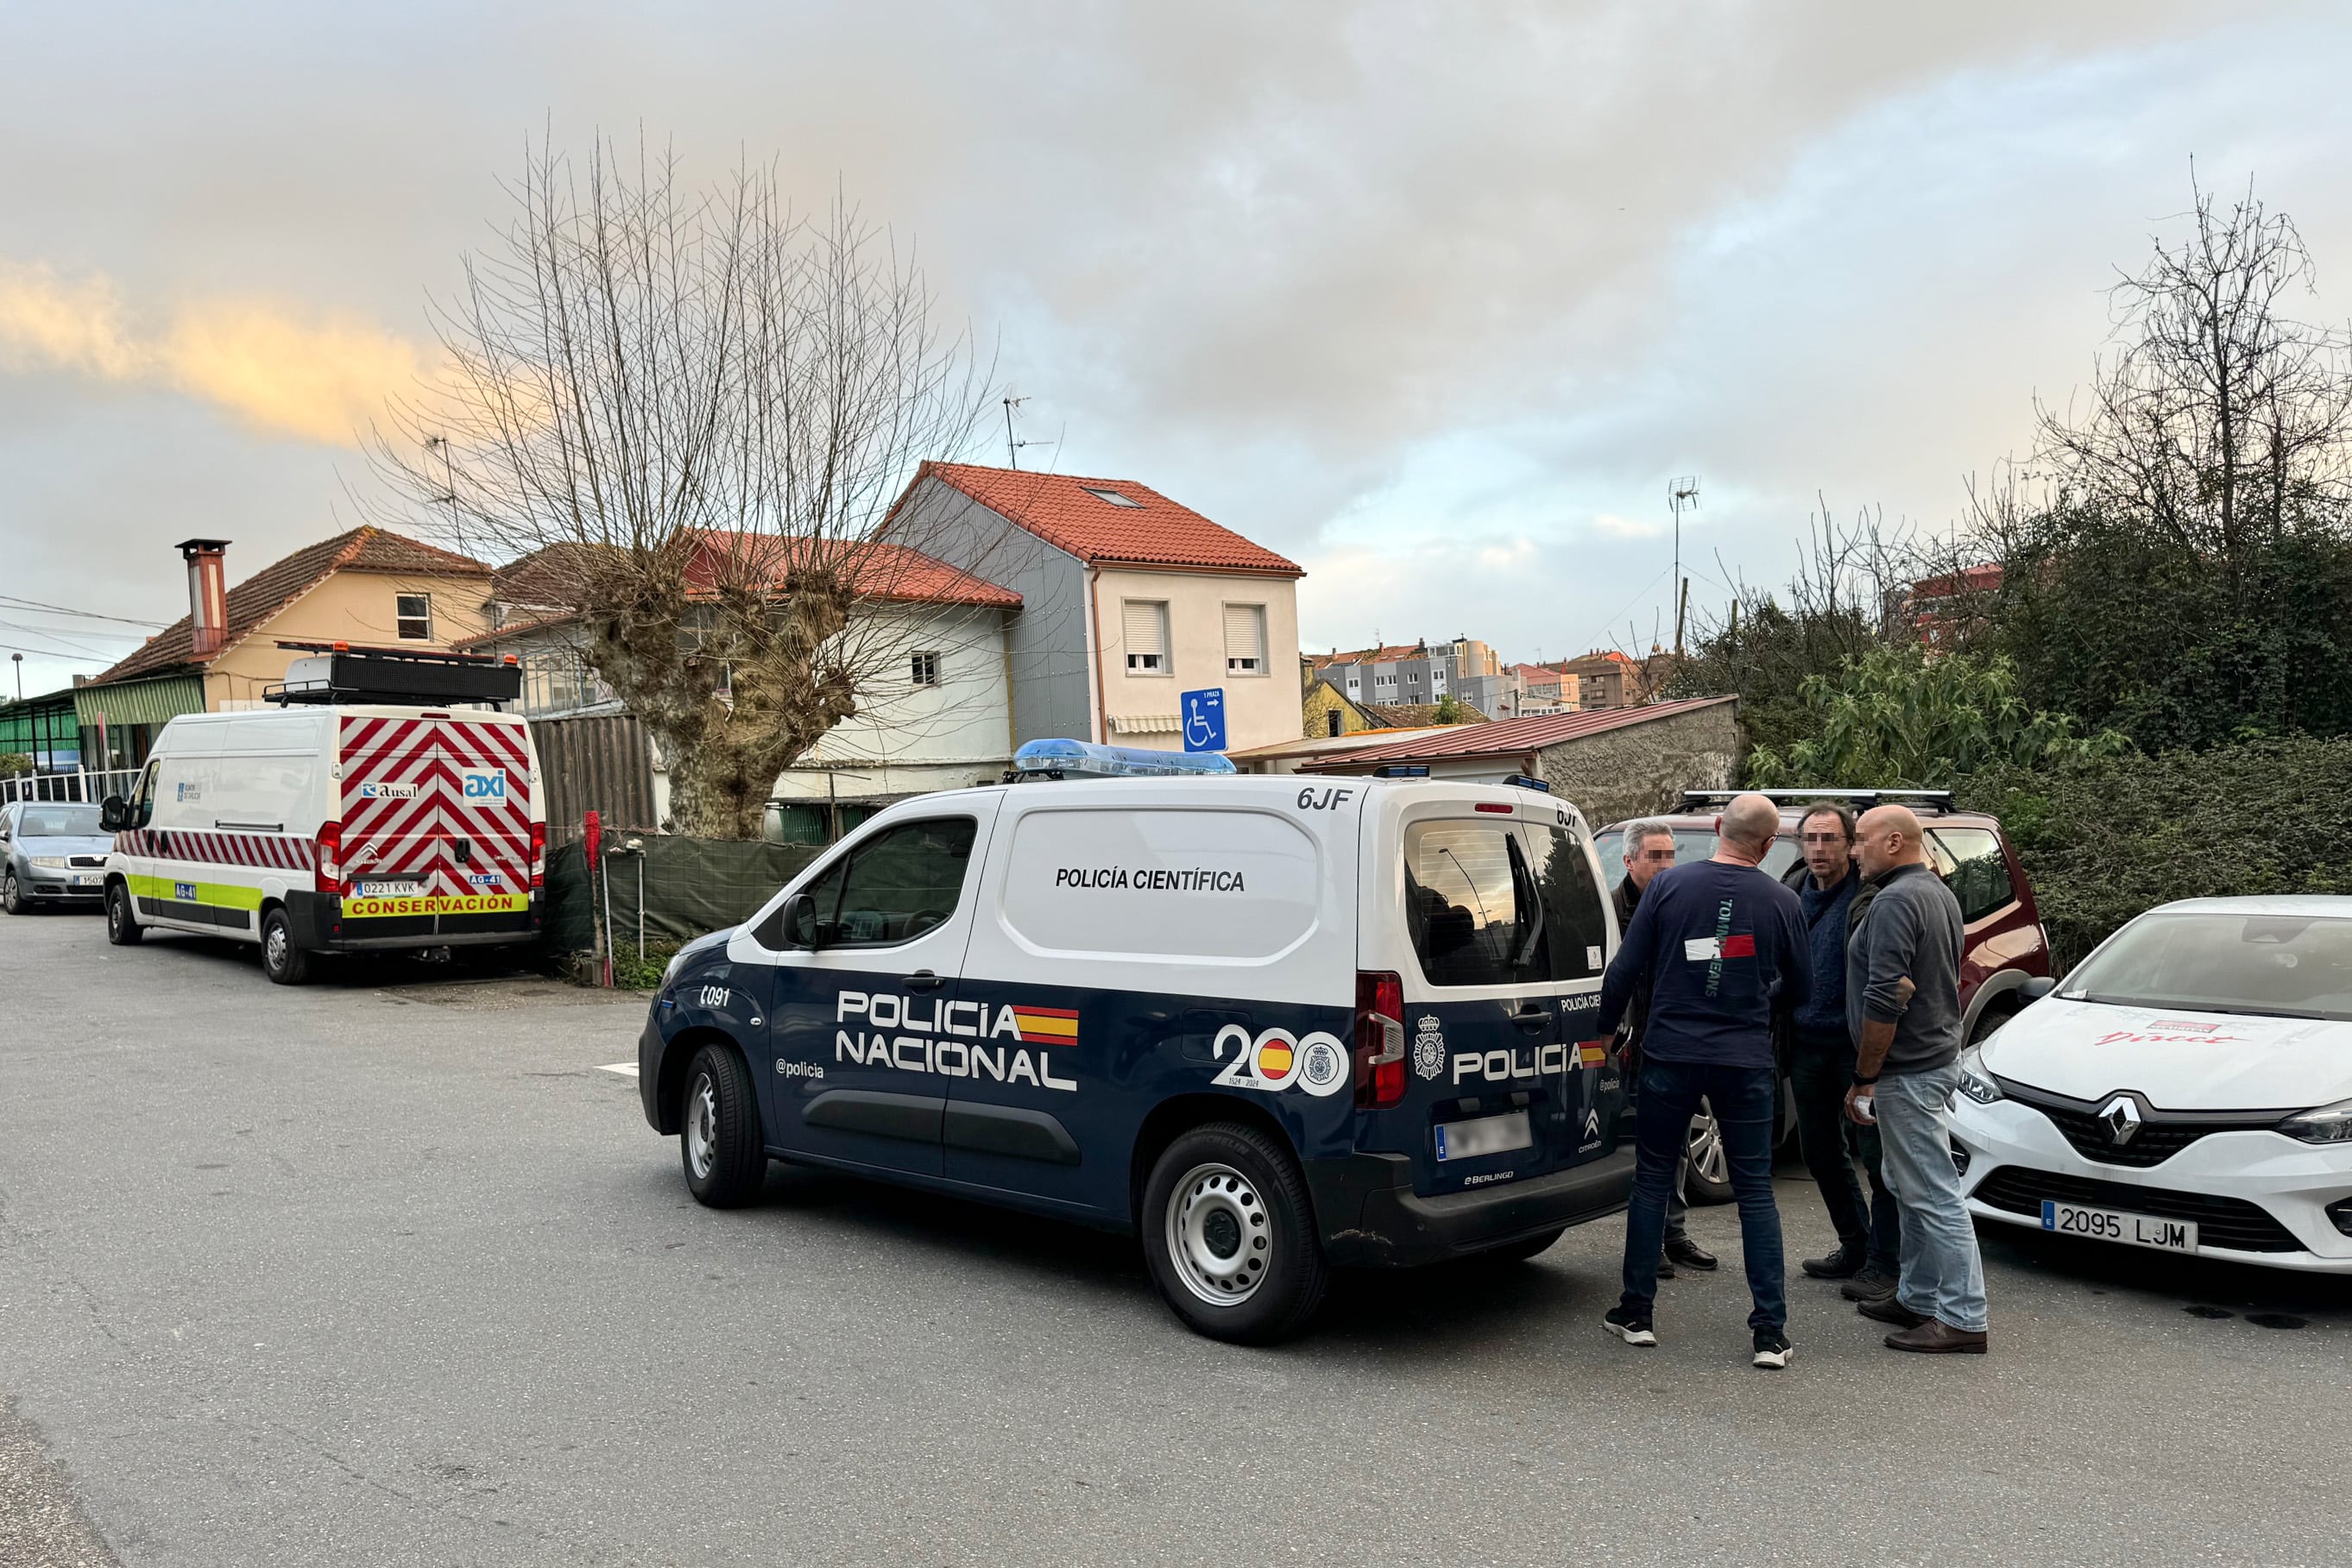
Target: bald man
{"type": "Point", "coordinates": [1903, 1009]}
{"type": "Point", "coordinates": [1723, 948]}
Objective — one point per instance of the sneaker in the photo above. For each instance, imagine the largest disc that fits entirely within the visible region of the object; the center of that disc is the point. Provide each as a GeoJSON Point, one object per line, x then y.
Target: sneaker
{"type": "Point", "coordinates": [1772, 1350]}
{"type": "Point", "coordinates": [1843, 1264]}
{"type": "Point", "coordinates": [1689, 1254]}
{"type": "Point", "coordinates": [1629, 1328]}
{"type": "Point", "coordinates": [1885, 1309]}
{"type": "Point", "coordinates": [1868, 1285]}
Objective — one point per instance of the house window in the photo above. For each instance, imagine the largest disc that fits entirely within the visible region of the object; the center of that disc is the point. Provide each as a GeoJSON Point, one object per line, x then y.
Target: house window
{"type": "Point", "coordinates": [1146, 623]}
{"type": "Point", "coordinates": [1331, 722]}
{"type": "Point", "coordinates": [927, 669]}
{"type": "Point", "coordinates": [1245, 639]}
{"type": "Point", "coordinates": [413, 613]}
{"type": "Point", "coordinates": [1113, 496]}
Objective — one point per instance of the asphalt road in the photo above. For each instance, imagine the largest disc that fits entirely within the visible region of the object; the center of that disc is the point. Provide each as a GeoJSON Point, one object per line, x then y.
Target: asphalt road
{"type": "Point", "coordinates": [386, 1271]}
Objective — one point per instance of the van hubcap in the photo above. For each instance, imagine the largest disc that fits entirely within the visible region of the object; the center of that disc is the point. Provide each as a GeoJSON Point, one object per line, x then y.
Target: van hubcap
{"type": "Point", "coordinates": [702, 1127]}
{"type": "Point", "coordinates": [1218, 1234]}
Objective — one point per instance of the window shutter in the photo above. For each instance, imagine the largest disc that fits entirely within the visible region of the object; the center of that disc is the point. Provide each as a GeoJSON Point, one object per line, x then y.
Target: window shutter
{"type": "Point", "coordinates": [1245, 638]}
{"type": "Point", "coordinates": [1147, 627]}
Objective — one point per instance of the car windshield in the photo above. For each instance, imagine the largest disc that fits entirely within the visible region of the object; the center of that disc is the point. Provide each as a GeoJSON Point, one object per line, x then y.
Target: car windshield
{"type": "Point", "coordinates": [1691, 844]}
{"type": "Point", "coordinates": [2293, 966]}
{"type": "Point", "coordinates": [60, 823]}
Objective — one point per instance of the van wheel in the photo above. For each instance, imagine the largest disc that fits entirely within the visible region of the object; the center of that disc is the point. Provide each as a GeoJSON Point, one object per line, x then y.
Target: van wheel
{"type": "Point", "coordinates": [281, 960]}
{"type": "Point", "coordinates": [1709, 1163]}
{"type": "Point", "coordinates": [718, 1130]}
{"type": "Point", "coordinates": [1230, 1237]}
{"type": "Point", "coordinates": [122, 927]}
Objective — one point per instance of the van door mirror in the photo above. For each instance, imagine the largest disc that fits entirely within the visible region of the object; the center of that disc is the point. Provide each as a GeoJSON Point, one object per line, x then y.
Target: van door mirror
{"type": "Point", "coordinates": [112, 814]}
{"type": "Point", "coordinates": [2039, 987]}
{"type": "Point", "coordinates": [797, 925]}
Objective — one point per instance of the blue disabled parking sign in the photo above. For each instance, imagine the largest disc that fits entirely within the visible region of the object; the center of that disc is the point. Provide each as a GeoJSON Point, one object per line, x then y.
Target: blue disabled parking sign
{"type": "Point", "coordinates": [1204, 720]}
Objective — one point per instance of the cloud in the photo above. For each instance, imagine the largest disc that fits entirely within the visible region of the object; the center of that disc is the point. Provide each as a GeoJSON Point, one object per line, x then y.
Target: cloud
{"type": "Point", "coordinates": [1626, 527]}
{"type": "Point", "coordinates": [320, 379]}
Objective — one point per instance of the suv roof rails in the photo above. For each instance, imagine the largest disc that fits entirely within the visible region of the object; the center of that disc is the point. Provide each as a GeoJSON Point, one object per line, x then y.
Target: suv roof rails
{"type": "Point", "coordinates": [338, 673]}
{"type": "Point", "coordinates": [1937, 798]}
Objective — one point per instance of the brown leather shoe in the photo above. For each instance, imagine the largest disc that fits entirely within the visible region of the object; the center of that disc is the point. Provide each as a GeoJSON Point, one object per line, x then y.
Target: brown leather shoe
{"type": "Point", "coordinates": [1885, 1309]}
{"type": "Point", "coordinates": [1936, 1337]}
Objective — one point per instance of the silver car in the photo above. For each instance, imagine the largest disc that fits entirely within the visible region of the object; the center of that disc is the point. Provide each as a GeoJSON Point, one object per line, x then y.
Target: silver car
{"type": "Point", "coordinates": [51, 852]}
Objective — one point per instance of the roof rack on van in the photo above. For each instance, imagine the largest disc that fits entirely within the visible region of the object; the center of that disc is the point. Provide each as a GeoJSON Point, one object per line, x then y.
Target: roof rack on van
{"type": "Point", "coordinates": [337, 672]}
{"type": "Point", "coordinates": [1940, 798]}
{"type": "Point", "coordinates": [1044, 759]}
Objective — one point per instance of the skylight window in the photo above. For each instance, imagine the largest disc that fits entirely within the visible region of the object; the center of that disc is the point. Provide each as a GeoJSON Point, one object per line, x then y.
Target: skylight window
{"type": "Point", "coordinates": [1113, 496]}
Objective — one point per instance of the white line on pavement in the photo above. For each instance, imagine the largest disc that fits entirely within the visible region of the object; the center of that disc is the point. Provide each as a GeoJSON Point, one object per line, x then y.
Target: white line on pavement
{"type": "Point", "coordinates": [625, 1068]}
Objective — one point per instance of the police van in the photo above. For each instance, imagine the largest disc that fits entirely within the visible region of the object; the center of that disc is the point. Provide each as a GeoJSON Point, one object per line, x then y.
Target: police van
{"type": "Point", "coordinates": [370, 810]}
{"type": "Point", "coordinates": [1271, 1026]}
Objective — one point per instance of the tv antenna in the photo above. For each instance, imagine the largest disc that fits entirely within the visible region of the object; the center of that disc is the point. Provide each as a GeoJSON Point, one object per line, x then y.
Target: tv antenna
{"type": "Point", "coordinates": [1013, 446]}
{"type": "Point", "coordinates": [1680, 494]}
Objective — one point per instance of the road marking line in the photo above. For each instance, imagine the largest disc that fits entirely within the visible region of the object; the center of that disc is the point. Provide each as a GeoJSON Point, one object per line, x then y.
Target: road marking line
{"type": "Point", "coordinates": [625, 1068]}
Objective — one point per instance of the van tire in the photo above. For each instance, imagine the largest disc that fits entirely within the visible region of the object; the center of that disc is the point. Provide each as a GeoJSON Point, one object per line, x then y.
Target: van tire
{"type": "Point", "coordinates": [719, 1141]}
{"type": "Point", "coordinates": [282, 959]}
{"type": "Point", "coordinates": [1229, 1183]}
{"type": "Point", "coordinates": [122, 927]}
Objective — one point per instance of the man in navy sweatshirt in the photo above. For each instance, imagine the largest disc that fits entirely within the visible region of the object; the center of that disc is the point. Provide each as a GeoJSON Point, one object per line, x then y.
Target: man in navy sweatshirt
{"type": "Point", "coordinates": [1724, 948]}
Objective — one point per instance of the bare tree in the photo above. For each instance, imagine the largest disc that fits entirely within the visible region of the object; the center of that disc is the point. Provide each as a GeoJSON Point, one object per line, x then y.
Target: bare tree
{"type": "Point", "coordinates": [2219, 420]}
{"type": "Point", "coordinates": [692, 412]}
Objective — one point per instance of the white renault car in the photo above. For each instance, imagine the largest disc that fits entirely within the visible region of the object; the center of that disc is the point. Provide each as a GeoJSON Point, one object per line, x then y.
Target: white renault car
{"type": "Point", "coordinates": [2188, 1087]}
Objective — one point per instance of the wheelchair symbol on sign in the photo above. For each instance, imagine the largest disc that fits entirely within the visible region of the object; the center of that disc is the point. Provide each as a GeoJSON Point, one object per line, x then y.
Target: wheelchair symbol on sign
{"type": "Point", "coordinates": [1204, 720]}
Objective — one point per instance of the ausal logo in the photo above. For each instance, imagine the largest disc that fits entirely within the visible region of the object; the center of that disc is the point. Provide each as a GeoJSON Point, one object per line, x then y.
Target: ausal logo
{"type": "Point", "coordinates": [1276, 1059]}
{"type": "Point", "coordinates": [387, 791]}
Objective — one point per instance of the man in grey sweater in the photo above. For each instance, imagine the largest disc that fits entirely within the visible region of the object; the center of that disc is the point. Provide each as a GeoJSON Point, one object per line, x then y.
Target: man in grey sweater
{"type": "Point", "coordinates": [1902, 1008]}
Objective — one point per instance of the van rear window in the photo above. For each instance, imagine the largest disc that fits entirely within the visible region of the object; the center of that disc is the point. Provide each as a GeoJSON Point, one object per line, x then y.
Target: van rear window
{"type": "Point", "coordinates": [1486, 910]}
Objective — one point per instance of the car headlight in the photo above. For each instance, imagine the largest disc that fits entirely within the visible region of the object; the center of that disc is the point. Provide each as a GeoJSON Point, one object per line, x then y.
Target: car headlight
{"type": "Point", "coordinates": [49, 862]}
{"type": "Point", "coordinates": [1974, 1082]}
{"type": "Point", "coordinates": [2328, 1125]}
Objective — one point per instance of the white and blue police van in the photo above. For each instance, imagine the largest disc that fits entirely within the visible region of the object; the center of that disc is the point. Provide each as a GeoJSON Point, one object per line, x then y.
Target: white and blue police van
{"type": "Point", "coordinates": [1270, 1025]}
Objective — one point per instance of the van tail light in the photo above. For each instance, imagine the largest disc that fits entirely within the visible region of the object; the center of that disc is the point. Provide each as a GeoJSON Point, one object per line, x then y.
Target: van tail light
{"type": "Point", "coordinates": [537, 856]}
{"type": "Point", "coordinates": [1380, 1039]}
{"type": "Point", "coordinates": [330, 875]}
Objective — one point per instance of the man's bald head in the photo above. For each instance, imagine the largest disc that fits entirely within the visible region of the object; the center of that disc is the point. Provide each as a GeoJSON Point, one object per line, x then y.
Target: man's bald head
{"type": "Point", "coordinates": [1886, 837]}
{"type": "Point", "coordinates": [1748, 825]}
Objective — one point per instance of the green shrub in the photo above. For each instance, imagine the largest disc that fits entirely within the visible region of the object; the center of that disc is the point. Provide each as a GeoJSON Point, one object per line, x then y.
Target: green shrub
{"type": "Point", "coordinates": [2106, 840]}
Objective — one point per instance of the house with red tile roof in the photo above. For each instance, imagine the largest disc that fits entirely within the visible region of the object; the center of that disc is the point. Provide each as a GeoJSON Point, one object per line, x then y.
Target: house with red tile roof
{"type": "Point", "coordinates": [1128, 600]}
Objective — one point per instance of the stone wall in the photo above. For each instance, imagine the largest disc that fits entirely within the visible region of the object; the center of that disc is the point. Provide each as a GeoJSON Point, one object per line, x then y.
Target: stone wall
{"type": "Point", "coordinates": [1643, 768]}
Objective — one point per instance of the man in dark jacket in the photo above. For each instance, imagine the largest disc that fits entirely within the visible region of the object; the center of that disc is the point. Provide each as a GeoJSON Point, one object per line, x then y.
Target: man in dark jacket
{"type": "Point", "coordinates": [1722, 946]}
{"type": "Point", "coordinates": [1821, 1067]}
{"type": "Point", "coordinates": [1649, 850]}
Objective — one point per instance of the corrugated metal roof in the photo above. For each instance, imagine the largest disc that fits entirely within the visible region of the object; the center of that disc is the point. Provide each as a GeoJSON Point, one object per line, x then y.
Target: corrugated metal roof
{"type": "Point", "coordinates": [1516, 736]}
{"type": "Point", "coordinates": [138, 702]}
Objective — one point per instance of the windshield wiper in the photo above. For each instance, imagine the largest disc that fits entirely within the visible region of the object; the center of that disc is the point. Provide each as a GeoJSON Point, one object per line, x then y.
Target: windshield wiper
{"type": "Point", "coordinates": [2197, 1007]}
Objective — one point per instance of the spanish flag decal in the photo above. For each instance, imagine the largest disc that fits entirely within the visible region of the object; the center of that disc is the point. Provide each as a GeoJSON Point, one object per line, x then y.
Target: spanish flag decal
{"type": "Point", "coordinates": [1591, 1053]}
{"type": "Point", "coordinates": [1046, 1026]}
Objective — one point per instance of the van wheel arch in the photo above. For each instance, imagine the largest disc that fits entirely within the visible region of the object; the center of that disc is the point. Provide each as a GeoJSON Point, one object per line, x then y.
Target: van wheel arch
{"type": "Point", "coordinates": [1172, 1118]}
{"type": "Point", "coordinates": [677, 1057]}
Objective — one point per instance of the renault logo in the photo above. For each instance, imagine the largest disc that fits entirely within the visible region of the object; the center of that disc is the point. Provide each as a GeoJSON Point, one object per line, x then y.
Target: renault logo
{"type": "Point", "coordinates": [2122, 1118]}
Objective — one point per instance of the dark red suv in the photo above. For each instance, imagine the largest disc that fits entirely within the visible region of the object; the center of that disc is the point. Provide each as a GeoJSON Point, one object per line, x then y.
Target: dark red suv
{"type": "Point", "coordinates": [2006, 946]}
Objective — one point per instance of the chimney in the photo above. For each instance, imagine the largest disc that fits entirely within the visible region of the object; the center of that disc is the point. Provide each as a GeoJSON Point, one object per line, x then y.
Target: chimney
{"type": "Point", "coordinates": [207, 593]}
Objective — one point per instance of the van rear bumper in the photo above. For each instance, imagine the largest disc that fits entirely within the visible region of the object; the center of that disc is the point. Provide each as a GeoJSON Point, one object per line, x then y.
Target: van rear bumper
{"type": "Point", "coordinates": [320, 927]}
{"type": "Point", "coordinates": [1371, 1217]}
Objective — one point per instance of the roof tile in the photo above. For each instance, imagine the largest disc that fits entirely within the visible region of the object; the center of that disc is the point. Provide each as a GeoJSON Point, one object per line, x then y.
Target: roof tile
{"type": "Point", "coordinates": [1068, 512]}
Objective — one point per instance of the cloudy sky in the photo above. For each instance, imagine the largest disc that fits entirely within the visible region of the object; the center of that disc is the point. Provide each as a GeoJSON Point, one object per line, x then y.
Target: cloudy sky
{"type": "Point", "coordinates": [1435, 298]}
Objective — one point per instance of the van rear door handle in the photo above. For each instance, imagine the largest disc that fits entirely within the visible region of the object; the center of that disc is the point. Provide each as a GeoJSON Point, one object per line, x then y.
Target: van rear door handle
{"type": "Point", "coordinates": [924, 980]}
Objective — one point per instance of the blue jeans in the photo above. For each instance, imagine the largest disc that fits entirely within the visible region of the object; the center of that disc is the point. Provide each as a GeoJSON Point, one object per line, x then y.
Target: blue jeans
{"type": "Point", "coordinates": [1943, 1274]}
{"type": "Point", "coordinates": [1742, 1098]}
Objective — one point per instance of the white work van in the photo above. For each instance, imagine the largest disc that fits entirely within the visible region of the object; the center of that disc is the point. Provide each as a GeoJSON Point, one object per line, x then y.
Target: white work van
{"type": "Point", "coordinates": [1270, 1025]}
{"type": "Point", "coordinates": [332, 829]}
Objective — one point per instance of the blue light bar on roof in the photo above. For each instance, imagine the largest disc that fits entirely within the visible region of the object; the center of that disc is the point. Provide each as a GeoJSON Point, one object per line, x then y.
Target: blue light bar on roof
{"type": "Point", "coordinates": [1085, 760]}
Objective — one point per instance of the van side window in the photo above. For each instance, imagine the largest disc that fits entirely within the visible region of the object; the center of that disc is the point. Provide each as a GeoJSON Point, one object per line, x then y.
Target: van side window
{"type": "Point", "coordinates": [1471, 905]}
{"type": "Point", "coordinates": [1575, 929]}
{"type": "Point", "coordinates": [893, 887]}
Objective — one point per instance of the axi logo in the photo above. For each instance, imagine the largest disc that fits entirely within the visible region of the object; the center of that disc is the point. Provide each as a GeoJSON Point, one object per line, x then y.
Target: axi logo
{"type": "Point", "coordinates": [485, 783]}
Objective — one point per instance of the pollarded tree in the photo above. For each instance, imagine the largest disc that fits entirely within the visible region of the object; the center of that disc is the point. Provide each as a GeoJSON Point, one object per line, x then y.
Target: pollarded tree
{"type": "Point", "coordinates": [691, 411]}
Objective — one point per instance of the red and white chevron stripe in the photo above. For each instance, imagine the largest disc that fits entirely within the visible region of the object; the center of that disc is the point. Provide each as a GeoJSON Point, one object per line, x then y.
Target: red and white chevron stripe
{"type": "Point", "coordinates": [410, 835]}
{"type": "Point", "coordinates": [277, 851]}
